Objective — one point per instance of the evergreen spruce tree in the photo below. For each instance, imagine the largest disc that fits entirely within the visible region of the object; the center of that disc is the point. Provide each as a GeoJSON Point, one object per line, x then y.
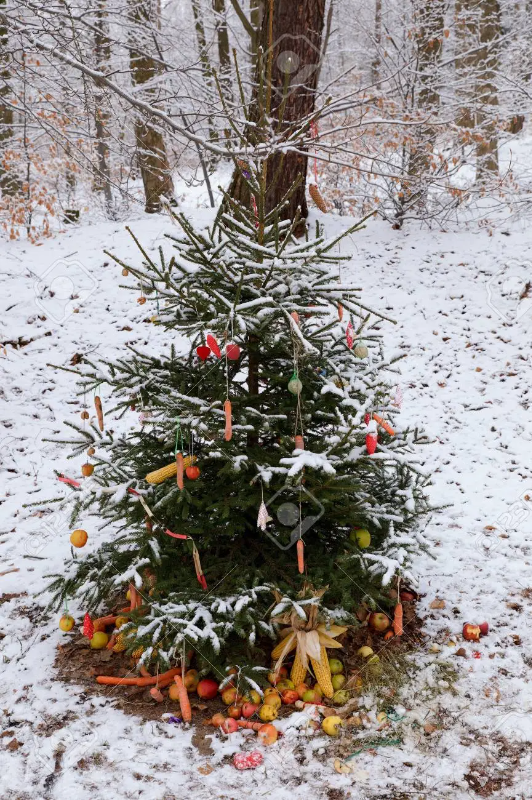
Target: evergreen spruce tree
{"type": "Point", "coordinates": [301, 362]}
{"type": "Point", "coordinates": [265, 402]}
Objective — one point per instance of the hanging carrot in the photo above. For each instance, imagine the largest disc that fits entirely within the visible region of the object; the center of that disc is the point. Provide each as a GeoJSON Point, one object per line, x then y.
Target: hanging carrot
{"type": "Point", "coordinates": [300, 547]}
{"type": "Point", "coordinates": [398, 620]}
{"type": "Point", "coordinates": [184, 702]}
{"type": "Point", "coordinates": [228, 423]}
{"type": "Point", "coordinates": [382, 422]}
{"type": "Point", "coordinates": [99, 411]}
{"type": "Point", "coordinates": [180, 470]}
{"type": "Point", "coordinates": [157, 694]}
{"type": "Point", "coordinates": [340, 312]}
{"type": "Point", "coordinates": [299, 442]}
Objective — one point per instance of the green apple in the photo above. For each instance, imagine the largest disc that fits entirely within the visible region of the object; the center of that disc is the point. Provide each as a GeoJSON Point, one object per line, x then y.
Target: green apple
{"type": "Point", "coordinates": [361, 536]}
{"type": "Point", "coordinates": [336, 666]}
{"type": "Point", "coordinates": [338, 681]}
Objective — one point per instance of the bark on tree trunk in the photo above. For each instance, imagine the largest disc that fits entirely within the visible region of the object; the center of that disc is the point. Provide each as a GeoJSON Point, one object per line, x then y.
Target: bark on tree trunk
{"type": "Point", "coordinates": [377, 40]}
{"type": "Point", "coordinates": [486, 90]}
{"type": "Point", "coordinates": [9, 181]}
{"type": "Point", "coordinates": [102, 53]}
{"type": "Point", "coordinates": [222, 36]}
{"type": "Point", "coordinates": [466, 24]}
{"type": "Point", "coordinates": [151, 150]}
{"type": "Point", "coordinates": [296, 52]}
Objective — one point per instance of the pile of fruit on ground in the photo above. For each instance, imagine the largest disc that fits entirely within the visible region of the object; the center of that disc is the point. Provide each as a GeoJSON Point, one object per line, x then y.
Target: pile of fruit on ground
{"type": "Point", "coordinates": [327, 695]}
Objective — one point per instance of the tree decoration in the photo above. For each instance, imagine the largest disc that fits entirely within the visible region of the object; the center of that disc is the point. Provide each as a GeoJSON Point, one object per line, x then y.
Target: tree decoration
{"type": "Point", "coordinates": [88, 627]}
{"type": "Point", "coordinates": [87, 470]}
{"type": "Point", "coordinates": [213, 344]}
{"type": "Point", "coordinates": [294, 384]}
{"type": "Point", "coordinates": [340, 312]}
{"type": "Point", "coordinates": [385, 425]}
{"type": "Point", "coordinates": [192, 473]}
{"type": "Point", "coordinates": [300, 547]}
{"type": "Point", "coordinates": [299, 442]}
{"type": "Point", "coordinates": [232, 352]}
{"type": "Point", "coordinates": [99, 411]}
{"type": "Point", "coordinates": [179, 460]}
{"type": "Point", "coordinates": [316, 195]}
{"type": "Point", "coordinates": [228, 423]}
{"type": "Point", "coordinates": [361, 351]}
{"type": "Point", "coordinates": [162, 474]}
{"type": "Point", "coordinates": [349, 335]}
{"type": "Point", "coordinates": [309, 637]}
{"type": "Point", "coordinates": [203, 352]}
{"type": "Point", "coordinates": [371, 436]}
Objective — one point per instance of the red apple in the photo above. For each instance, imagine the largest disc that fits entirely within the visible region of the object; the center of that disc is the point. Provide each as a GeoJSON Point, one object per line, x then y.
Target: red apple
{"type": "Point", "coordinates": [248, 709]}
{"type": "Point", "coordinates": [217, 720]}
{"type": "Point", "coordinates": [235, 711]}
{"type": "Point", "coordinates": [378, 621]}
{"type": "Point", "coordinates": [207, 689]}
{"type": "Point", "coordinates": [301, 689]}
{"type": "Point", "coordinates": [484, 628]}
{"type": "Point", "coordinates": [289, 697]}
{"type": "Point", "coordinates": [267, 734]}
{"type": "Point", "coordinates": [407, 597]}
{"type": "Point", "coordinates": [230, 725]}
{"type": "Point", "coordinates": [471, 632]}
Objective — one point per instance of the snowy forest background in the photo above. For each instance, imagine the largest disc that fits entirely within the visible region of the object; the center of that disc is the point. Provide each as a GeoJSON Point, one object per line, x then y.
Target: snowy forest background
{"type": "Point", "coordinates": [104, 103]}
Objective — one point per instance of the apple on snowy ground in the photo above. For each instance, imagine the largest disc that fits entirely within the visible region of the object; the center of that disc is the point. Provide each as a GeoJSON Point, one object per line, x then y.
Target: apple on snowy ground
{"type": "Point", "coordinates": [378, 621]}
{"type": "Point", "coordinates": [331, 725]}
{"type": "Point", "coordinates": [311, 696]}
{"type": "Point", "coordinates": [230, 725]}
{"type": "Point", "coordinates": [365, 652]}
{"type": "Point", "coordinates": [217, 719]}
{"type": "Point", "coordinates": [267, 713]}
{"type": "Point", "coordinates": [341, 697]}
{"type": "Point", "coordinates": [235, 710]}
{"type": "Point", "coordinates": [273, 700]}
{"type": "Point", "coordinates": [484, 628]}
{"type": "Point", "coordinates": [267, 734]}
{"type": "Point", "coordinates": [471, 632]}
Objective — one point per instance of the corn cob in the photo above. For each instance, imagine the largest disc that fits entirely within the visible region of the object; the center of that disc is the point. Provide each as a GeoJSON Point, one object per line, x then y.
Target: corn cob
{"type": "Point", "coordinates": [322, 671]}
{"type": "Point", "coordinates": [160, 475]}
{"type": "Point", "coordinates": [120, 644]}
{"type": "Point", "coordinates": [298, 673]}
{"type": "Point", "coordinates": [278, 649]}
{"type": "Point", "coordinates": [315, 193]}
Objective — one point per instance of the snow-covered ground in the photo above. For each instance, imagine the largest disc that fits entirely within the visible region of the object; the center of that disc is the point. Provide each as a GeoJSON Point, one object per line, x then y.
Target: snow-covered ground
{"type": "Point", "coordinates": [466, 724]}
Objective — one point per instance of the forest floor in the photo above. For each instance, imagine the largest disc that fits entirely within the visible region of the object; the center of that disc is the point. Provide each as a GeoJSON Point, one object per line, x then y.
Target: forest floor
{"type": "Point", "coordinates": [461, 726]}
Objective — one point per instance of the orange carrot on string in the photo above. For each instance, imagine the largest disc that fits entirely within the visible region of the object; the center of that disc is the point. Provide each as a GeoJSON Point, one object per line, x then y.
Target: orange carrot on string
{"type": "Point", "coordinates": [180, 470]}
{"type": "Point", "coordinates": [340, 312]}
{"type": "Point", "coordinates": [382, 422]}
{"type": "Point", "coordinates": [300, 547]}
{"type": "Point", "coordinates": [228, 421]}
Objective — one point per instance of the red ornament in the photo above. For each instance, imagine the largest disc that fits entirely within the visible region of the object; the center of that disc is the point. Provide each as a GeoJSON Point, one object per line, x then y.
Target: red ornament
{"type": "Point", "coordinates": [248, 760]}
{"type": "Point", "coordinates": [367, 418]}
{"type": "Point", "coordinates": [193, 473]}
{"type": "Point", "coordinates": [88, 627]}
{"type": "Point", "coordinates": [349, 335]}
{"type": "Point", "coordinates": [371, 443]}
{"type": "Point", "coordinates": [203, 352]}
{"type": "Point", "coordinates": [213, 344]}
{"type": "Point", "coordinates": [232, 352]}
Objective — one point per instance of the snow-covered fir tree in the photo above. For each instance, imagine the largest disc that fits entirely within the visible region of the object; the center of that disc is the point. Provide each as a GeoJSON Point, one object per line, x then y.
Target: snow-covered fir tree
{"type": "Point", "coordinates": [269, 397]}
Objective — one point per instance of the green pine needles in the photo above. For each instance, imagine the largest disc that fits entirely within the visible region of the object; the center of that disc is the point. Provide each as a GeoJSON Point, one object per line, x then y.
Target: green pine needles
{"type": "Point", "coordinates": [248, 282]}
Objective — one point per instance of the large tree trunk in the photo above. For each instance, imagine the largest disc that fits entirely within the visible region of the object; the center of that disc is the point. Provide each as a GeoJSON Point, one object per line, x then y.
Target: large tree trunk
{"type": "Point", "coordinates": [151, 150]}
{"type": "Point", "coordinates": [224, 56]}
{"type": "Point", "coordinates": [297, 28]}
{"type": "Point", "coordinates": [102, 53]}
{"type": "Point", "coordinates": [466, 25]}
{"type": "Point", "coordinates": [486, 90]}
{"type": "Point", "coordinates": [9, 181]}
